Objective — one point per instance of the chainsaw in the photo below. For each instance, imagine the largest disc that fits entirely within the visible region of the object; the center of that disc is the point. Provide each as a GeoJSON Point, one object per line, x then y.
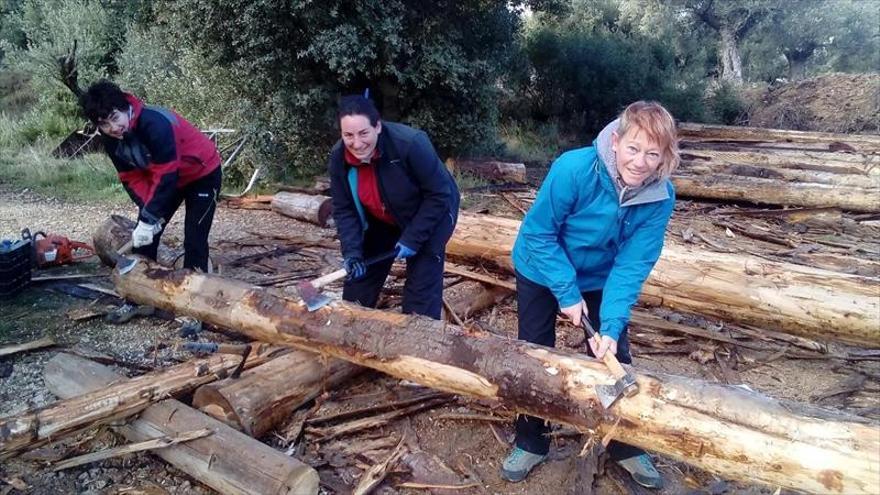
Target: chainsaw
{"type": "Point", "coordinates": [56, 250]}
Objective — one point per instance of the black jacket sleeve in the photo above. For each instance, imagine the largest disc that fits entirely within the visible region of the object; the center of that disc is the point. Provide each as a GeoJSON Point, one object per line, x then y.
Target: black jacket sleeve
{"type": "Point", "coordinates": [434, 185]}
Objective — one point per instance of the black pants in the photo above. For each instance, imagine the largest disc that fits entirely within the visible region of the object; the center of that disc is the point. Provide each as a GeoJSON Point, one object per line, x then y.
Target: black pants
{"type": "Point", "coordinates": [537, 309]}
{"type": "Point", "coordinates": [201, 201]}
{"type": "Point", "coordinates": [423, 289]}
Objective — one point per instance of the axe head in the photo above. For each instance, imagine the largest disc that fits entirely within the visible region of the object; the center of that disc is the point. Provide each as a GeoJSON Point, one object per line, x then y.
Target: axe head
{"type": "Point", "coordinates": [608, 394]}
{"type": "Point", "coordinates": [125, 265]}
{"type": "Point", "coordinates": [311, 296]}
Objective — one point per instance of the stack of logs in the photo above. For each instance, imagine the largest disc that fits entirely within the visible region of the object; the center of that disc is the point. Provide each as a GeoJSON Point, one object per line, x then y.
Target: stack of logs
{"type": "Point", "coordinates": [729, 431]}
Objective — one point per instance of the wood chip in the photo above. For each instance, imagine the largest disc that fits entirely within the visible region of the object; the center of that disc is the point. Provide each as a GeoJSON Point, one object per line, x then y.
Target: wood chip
{"type": "Point", "coordinates": [374, 476]}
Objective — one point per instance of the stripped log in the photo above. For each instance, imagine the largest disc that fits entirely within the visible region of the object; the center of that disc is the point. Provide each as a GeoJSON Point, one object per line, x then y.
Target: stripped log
{"type": "Point", "coordinates": [266, 395]}
{"type": "Point", "coordinates": [726, 430]}
{"type": "Point", "coordinates": [777, 138]}
{"type": "Point", "coordinates": [39, 426]}
{"type": "Point", "coordinates": [777, 192]}
{"type": "Point", "coordinates": [309, 208]}
{"type": "Point", "coordinates": [227, 461]}
{"type": "Point", "coordinates": [737, 287]}
{"type": "Point", "coordinates": [490, 169]}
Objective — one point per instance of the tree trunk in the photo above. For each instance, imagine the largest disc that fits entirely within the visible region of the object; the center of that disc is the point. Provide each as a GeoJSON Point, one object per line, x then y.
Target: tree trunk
{"type": "Point", "coordinates": [39, 426]}
{"type": "Point", "coordinates": [313, 209]}
{"type": "Point", "coordinates": [473, 297]}
{"type": "Point", "coordinates": [264, 396]}
{"type": "Point", "coordinates": [761, 190]}
{"type": "Point", "coordinates": [738, 287]}
{"type": "Point", "coordinates": [861, 169]}
{"type": "Point", "coordinates": [728, 51]}
{"type": "Point", "coordinates": [726, 430]}
{"type": "Point", "coordinates": [115, 232]}
{"type": "Point", "coordinates": [216, 460]}
{"type": "Point", "coordinates": [490, 169]}
{"type": "Point", "coordinates": [756, 137]}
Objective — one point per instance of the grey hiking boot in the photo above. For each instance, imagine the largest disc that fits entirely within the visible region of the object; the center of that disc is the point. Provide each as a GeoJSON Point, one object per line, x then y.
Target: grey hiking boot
{"type": "Point", "coordinates": [126, 312]}
{"type": "Point", "coordinates": [642, 471]}
{"type": "Point", "coordinates": [189, 327]}
{"type": "Point", "coordinates": [519, 463]}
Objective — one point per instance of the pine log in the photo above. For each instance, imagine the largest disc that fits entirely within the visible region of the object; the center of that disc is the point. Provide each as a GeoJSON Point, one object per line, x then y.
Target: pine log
{"type": "Point", "coordinates": [490, 169]}
{"type": "Point", "coordinates": [39, 426]}
{"type": "Point", "coordinates": [859, 164]}
{"type": "Point", "coordinates": [737, 287]}
{"type": "Point", "coordinates": [309, 208]}
{"type": "Point", "coordinates": [726, 430]}
{"type": "Point", "coordinates": [473, 297]}
{"type": "Point", "coordinates": [777, 138]}
{"type": "Point", "coordinates": [227, 461]}
{"type": "Point", "coordinates": [266, 395]}
{"type": "Point", "coordinates": [114, 233]}
{"type": "Point", "coordinates": [770, 191]}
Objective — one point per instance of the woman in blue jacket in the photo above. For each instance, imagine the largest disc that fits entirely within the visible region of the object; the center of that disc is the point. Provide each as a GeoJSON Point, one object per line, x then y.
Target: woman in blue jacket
{"type": "Point", "coordinates": [586, 247]}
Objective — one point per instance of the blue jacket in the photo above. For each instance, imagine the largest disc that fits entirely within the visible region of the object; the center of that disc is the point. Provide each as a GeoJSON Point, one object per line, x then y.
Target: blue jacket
{"type": "Point", "coordinates": [578, 236]}
{"type": "Point", "coordinates": [413, 183]}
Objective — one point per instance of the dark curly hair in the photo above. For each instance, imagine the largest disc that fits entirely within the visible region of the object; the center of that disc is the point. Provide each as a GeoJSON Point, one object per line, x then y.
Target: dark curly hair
{"type": "Point", "coordinates": [357, 105]}
{"type": "Point", "coordinates": [101, 99]}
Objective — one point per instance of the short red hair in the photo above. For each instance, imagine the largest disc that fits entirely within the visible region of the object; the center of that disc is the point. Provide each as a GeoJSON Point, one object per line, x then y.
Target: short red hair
{"type": "Point", "coordinates": [658, 124]}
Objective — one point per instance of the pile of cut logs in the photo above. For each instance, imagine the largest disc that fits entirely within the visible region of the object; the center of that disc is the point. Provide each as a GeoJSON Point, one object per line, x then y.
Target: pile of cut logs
{"type": "Point", "coordinates": [718, 268]}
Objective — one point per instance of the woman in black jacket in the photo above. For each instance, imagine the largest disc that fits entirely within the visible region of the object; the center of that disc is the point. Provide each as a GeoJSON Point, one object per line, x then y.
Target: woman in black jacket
{"type": "Point", "coordinates": [390, 192]}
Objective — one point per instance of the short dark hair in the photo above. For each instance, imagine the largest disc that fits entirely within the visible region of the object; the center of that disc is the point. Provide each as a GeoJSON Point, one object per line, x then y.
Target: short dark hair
{"type": "Point", "coordinates": [357, 105]}
{"type": "Point", "coordinates": [101, 99]}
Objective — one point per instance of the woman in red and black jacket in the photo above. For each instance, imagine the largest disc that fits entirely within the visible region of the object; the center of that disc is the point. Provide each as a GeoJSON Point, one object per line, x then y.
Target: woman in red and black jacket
{"type": "Point", "coordinates": [390, 192]}
{"type": "Point", "coordinates": [162, 161]}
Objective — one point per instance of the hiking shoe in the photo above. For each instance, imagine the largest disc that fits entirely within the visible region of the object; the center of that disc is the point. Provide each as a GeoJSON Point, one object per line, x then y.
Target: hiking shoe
{"type": "Point", "coordinates": [642, 471]}
{"type": "Point", "coordinates": [519, 463]}
{"type": "Point", "coordinates": [189, 327]}
{"type": "Point", "coordinates": [126, 312]}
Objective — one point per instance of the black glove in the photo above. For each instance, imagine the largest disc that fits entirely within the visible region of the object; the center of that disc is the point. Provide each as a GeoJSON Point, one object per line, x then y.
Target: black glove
{"type": "Point", "coordinates": [355, 268]}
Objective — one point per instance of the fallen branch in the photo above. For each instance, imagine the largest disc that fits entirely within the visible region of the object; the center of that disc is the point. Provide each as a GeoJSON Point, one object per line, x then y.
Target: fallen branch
{"type": "Point", "coordinates": [155, 443]}
{"type": "Point", "coordinates": [27, 346]}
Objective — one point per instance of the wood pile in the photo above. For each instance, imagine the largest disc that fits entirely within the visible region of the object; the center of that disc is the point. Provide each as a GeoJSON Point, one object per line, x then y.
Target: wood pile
{"type": "Point", "coordinates": [784, 168]}
{"type": "Point", "coordinates": [739, 289]}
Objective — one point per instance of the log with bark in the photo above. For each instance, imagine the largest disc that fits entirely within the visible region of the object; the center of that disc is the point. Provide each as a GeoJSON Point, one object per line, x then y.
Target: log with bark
{"type": "Point", "coordinates": [227, 461]}
{"type": "Point", "coordinates": [737, 287]}
{"type": "Point", "coordinates": [726, 430]}
{"type": "Point", "coordinates": [39, 426]}
{"type": "Point", "coordinates": [490, 169]}
{"type": "Point", "coordinates": [266, 395]}
{"type": "Point", "coordinates": [707, 134]}
{"type": "Point", "coordinates": [309, 208]}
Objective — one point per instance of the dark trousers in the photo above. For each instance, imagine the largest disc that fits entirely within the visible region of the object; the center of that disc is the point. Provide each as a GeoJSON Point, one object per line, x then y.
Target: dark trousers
{"type": "Point", "coordinates": [423, 289]}
{"type": "Point", "coordinates": [537, 309]}
{"type": "Point", "coordinates": [201, 200]}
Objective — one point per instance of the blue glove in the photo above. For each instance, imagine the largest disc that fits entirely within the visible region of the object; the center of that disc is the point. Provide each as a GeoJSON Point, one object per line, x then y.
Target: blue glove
{"type": "Point", "coordinates": [355, 268]}
{"type": "Point", "coordinates": [403, 251]}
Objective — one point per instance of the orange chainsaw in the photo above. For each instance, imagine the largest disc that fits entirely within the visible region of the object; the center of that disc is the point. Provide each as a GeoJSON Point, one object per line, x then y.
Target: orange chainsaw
{"type": "Point", "coordinates": [56, 250]}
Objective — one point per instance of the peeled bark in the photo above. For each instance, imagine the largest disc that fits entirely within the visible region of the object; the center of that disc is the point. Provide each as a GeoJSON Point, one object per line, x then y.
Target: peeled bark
{"type": "Point", "coordinates": [490, 169]}
{"type": "Point", "coordinates": [756, 137]}
{"type": "Point", "coordinates": [306, 207]}
{"type": "Point", "coordinates": [264, 396]}
{"type": "Point", "coordinates": [738, 287]}
{"type": "Point", "coordinates": [726, 430]}
{"type": "Point", "coordinates": [216, 460]}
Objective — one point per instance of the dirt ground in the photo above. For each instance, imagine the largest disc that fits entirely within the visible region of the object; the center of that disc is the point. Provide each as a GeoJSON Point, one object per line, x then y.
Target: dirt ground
{"type": "Point", "coordinates": [451, 451]}
{"type": "Point", "coordinates": [844, 103]}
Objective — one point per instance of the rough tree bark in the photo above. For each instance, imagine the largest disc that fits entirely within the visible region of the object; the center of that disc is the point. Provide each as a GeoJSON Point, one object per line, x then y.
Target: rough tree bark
{"type": "Point", "coordinates": [215, 460]}
{"type": "Point", "coordinates": [306, 207]}
{"type": "Point", "coordinates": [264, 396]}
{"type": "Point", "coordinates": [490, 169]}
{"type": "Point", "coordinates": [726, 430]}
{"type": "Point", "coordinates": [756, 137]}
{"type": "Point", "coordinates": [738, 287]}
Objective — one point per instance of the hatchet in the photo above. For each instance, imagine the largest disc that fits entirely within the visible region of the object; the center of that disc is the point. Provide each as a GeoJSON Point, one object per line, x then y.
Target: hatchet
{"type": "Point", "coordinates": [625, 383]}
{"type": "Point", "coordinates": [310, 293]}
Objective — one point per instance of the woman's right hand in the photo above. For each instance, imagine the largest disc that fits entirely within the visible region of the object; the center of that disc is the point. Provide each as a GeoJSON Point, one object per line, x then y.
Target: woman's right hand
{"type": "Point", "coordinates": [575, 312]}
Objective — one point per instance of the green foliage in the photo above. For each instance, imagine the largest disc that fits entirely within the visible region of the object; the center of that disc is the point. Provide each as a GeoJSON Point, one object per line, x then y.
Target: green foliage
{"type": "Point", "coordinates": [431, 64]}
{"type": "Point", "coordinates": [726, 106]}
{"type": "Point", "coordinates": [92, 177]}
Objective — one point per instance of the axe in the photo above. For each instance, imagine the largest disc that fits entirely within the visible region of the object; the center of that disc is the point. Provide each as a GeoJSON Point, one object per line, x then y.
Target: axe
{"type": "Point", "coordinates": [310, 293]}
{"type": "Point", "coordinates": [625, 383]}
{"type": "Point", "coordinates": [123, 263]}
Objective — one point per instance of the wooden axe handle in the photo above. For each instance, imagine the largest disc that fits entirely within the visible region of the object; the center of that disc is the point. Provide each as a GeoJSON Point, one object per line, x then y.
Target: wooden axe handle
{"type": "Point", "coordinates": [326, 279]}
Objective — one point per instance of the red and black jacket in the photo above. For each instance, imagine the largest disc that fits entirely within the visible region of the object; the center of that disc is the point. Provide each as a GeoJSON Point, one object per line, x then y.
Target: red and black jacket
{"type": "Point", "coordinates": [160, 154]}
